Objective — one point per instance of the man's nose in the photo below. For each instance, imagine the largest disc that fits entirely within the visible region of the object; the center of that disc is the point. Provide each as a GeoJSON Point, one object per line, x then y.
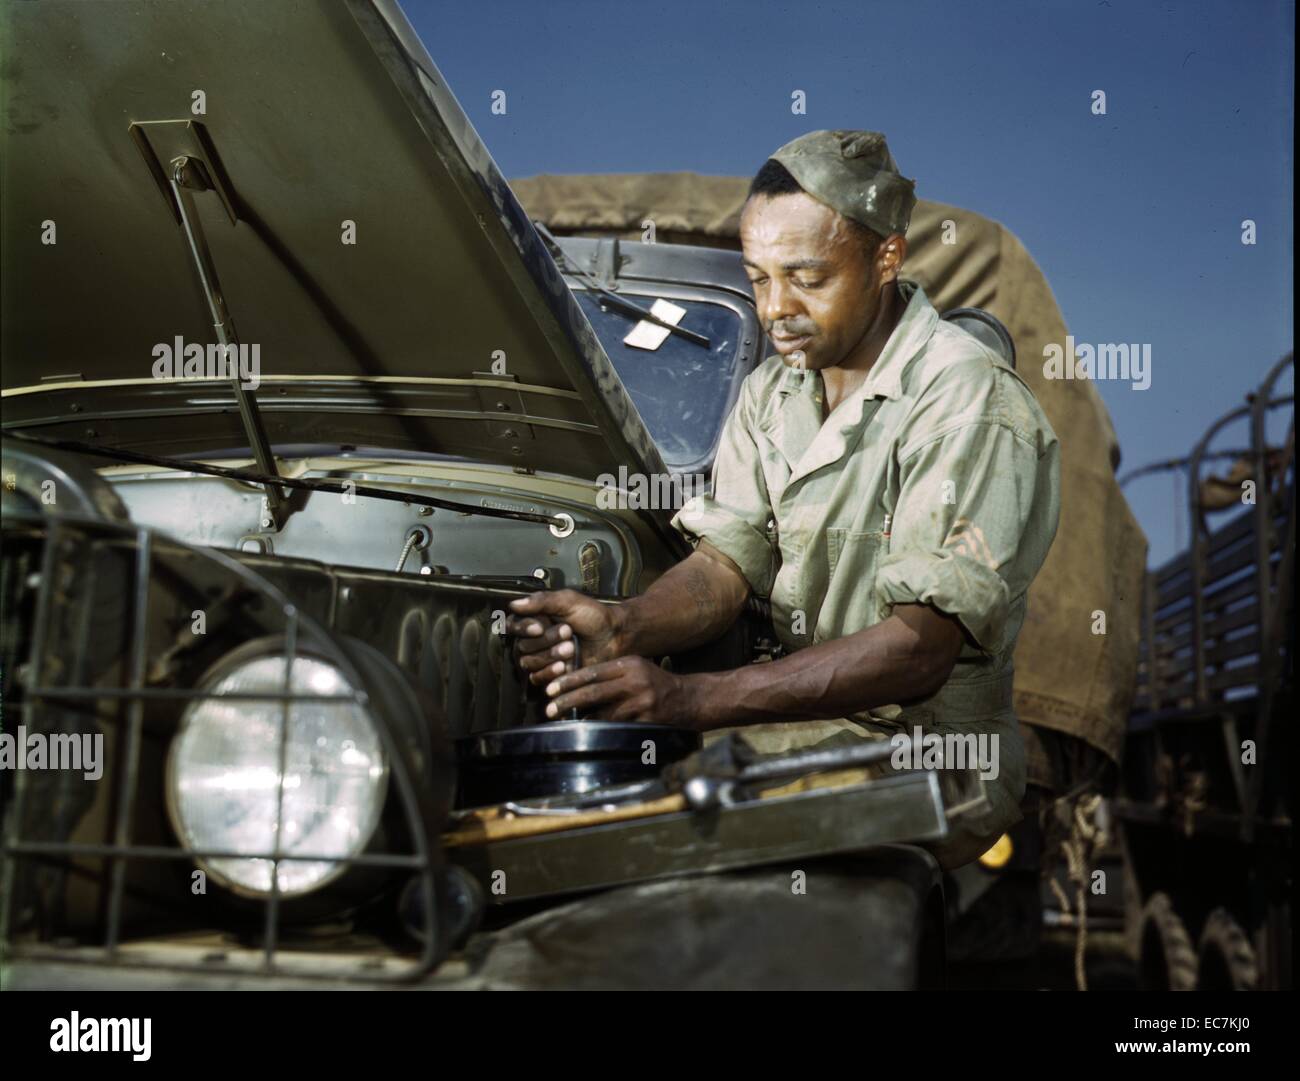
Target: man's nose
{"type": "Point", "coordinates": [780, 302]}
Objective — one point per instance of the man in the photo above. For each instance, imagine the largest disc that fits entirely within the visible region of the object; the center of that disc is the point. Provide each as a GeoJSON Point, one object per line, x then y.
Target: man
{"type": "Point", "coordinates": [885, 480]}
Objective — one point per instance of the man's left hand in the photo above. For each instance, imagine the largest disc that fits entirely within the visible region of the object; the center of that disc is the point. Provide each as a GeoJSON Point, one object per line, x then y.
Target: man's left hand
{"type": "Point", "coordinates": [627, 689]}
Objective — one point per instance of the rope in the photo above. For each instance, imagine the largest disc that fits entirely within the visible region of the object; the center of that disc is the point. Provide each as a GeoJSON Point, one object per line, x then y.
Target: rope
{"type": "Point", "coordinates": [1193, 801]}
{"type": "Point", "coordinates": [1086, 837]}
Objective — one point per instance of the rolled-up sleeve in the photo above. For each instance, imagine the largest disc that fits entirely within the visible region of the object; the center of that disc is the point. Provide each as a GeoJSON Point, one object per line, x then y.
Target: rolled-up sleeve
{"type": "Point", "coordinates": [975, 516]}
{"type": "Point", "coordinates": [733, 517]}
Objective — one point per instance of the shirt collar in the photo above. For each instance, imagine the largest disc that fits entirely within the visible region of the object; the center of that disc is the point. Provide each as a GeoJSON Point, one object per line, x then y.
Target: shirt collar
{"type": "Point", "coordinates": [915, 327]}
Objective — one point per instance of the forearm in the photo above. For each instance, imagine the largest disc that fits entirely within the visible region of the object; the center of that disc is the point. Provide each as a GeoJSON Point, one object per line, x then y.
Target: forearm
{"type": "Point", "coordinates": [693, 603]}
{"type": "Point", "coordinates": [905, 657]}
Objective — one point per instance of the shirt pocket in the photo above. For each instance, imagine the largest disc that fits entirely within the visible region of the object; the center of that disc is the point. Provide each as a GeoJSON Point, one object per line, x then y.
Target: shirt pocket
{"type": "Point", "coordinates": [853, 559]}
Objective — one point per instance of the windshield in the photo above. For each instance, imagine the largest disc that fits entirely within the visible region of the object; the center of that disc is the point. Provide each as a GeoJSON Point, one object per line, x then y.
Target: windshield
{"type": "Point", "coordinates": [680, 389]}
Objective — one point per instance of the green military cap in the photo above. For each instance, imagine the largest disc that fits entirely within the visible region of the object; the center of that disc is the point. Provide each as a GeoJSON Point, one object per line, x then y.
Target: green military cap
{"type": "Point", "coordinates": [852, 172]}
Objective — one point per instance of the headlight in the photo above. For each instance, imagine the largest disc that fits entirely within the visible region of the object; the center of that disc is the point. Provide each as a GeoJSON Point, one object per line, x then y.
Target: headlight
{"type": "Point", "coordinates": [224, 777]}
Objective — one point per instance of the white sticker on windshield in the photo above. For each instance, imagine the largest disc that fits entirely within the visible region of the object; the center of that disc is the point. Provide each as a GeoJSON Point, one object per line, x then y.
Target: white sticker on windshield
{"type": "Point", "coordinates": [648, 335]}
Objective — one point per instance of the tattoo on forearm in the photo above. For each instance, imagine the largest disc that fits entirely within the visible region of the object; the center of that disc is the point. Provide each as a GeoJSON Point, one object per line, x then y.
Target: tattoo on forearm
{"type": "Point", "coordinates": [697, 585]}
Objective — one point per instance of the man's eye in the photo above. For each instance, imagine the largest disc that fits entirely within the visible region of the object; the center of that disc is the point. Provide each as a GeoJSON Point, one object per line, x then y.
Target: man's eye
{"type": "Point", "coordinates": [757, 281]}
{"type": "Point", "coordinates": [815, 283]}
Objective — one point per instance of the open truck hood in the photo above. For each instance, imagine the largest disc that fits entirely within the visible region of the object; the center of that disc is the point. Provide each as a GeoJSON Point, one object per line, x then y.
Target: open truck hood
{"type": "Point", "coordinates": [316, 114]}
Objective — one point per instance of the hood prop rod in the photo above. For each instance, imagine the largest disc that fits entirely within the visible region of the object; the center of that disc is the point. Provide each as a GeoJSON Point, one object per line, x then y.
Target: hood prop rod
{"type": "Point", "coordinates": [189, 175]}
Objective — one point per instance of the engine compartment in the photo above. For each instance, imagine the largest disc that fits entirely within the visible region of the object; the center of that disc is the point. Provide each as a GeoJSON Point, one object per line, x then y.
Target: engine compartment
{"type": "Point", "coordinates": [119, 613]}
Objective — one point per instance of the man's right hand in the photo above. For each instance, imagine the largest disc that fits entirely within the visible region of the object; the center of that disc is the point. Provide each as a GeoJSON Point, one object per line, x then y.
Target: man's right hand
{"type": "Point", "coordinates": [544, 625]}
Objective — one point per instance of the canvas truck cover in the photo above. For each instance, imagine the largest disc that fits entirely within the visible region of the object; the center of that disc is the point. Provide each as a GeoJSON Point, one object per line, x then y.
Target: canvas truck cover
{"type": "Point", "coordinates": [1068, 678]}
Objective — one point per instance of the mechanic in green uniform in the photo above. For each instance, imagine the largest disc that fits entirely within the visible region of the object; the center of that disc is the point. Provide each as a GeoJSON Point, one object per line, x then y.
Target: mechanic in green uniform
{"type": "Point", "coordinates": [885, 480]}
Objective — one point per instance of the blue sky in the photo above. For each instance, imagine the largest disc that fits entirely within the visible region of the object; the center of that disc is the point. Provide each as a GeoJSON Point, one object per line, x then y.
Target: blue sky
{"type": "Point", "coordinates": [1135, 216]}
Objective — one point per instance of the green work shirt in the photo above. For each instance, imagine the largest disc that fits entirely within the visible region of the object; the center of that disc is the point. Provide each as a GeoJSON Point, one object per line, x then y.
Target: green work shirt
{"type": "Point", "coordinates": [936, 482]}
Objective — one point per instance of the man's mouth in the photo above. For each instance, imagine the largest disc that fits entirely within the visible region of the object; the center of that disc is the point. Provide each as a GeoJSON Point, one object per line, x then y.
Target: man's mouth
{"type": "Point", "coordinates": [785, 346]}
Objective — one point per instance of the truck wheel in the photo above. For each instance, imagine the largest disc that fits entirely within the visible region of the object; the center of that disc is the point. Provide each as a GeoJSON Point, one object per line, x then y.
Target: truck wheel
{"type": "Point", "coordinates": [1166, 960]}
{"type": "Point", "coordinates": [1227, 959]}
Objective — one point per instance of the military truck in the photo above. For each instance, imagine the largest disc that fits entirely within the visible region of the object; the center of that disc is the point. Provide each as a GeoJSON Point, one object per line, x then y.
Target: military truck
{"type": "Point", "coordinates": [1204, 809]}
{"type": "Point", "coordinates": [262, 727]}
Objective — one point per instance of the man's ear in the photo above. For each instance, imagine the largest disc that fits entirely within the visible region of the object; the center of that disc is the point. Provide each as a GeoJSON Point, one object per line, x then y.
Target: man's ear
{"type": "Point", "coordinates": [889, 258]}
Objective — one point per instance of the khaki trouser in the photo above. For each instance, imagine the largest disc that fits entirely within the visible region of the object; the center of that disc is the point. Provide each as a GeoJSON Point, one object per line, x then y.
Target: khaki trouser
{"type": "Point", "coordinates": [974, 706]}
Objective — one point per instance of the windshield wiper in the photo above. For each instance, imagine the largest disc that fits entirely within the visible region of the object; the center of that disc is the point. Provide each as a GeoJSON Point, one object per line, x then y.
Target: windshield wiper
{"type": "Point", "coordinates": [627, 307]}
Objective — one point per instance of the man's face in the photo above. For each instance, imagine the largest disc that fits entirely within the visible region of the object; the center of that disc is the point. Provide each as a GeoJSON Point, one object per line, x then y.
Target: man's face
{"type": "Point", "coordinates": [817, 289]}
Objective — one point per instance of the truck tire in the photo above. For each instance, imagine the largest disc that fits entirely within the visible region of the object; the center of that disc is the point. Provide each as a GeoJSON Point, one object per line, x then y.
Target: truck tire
{"type": "Point", "coordinates": [1166, 960]}
{"type": "Point", "coordinates": [1227, 959]}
